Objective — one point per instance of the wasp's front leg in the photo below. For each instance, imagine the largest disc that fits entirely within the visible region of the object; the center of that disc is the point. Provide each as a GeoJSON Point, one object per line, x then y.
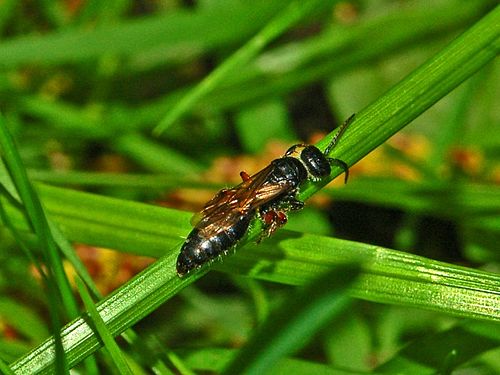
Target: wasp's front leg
{"type": "Point", "coordinates": [343, 165]}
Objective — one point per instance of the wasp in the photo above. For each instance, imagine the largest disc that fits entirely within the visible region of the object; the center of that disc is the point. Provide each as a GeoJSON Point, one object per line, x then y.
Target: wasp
{"type": "Point", "coordinates": [269, 194]}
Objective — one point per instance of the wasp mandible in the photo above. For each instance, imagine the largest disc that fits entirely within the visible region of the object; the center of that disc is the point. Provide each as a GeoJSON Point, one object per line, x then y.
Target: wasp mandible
{"type": "Point", "coordinates": [269, 194]}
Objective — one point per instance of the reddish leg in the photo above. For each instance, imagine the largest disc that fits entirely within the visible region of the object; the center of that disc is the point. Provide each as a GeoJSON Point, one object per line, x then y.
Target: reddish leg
{"type": "Point", "coordinates": [273, 220]}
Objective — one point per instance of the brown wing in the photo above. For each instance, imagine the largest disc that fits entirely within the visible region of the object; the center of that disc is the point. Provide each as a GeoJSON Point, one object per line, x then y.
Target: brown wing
{"type": "Point", "coordinates": [247, 196]}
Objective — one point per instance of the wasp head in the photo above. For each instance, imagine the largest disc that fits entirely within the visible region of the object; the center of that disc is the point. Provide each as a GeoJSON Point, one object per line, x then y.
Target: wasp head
{"type": "Point", "coordinates": [315, 162]}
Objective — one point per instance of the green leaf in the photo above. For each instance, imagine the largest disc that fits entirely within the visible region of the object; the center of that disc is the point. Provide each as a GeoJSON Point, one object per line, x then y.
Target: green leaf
{"type": "Point", "coordinates": [23, 320]}
{"type": "Point", "coordinates": [56, 280]}
{"type": "Point", "coordinates": [292, 14]}
{"type": "Point", "coordinates": [103, 332]}
{"type": "Point", "coordinates": [429, 354]}
{"type": "Point", "coordinates": [178, 34]}
{"type": "Point", "coordinates": [214, 359]}
{"type": "Point", "coordinates": [284, 333]}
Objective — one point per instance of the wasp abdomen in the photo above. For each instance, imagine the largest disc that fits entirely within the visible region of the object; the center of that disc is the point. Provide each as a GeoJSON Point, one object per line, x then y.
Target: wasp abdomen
{"type": "Point", "coordinates": [206, 244]}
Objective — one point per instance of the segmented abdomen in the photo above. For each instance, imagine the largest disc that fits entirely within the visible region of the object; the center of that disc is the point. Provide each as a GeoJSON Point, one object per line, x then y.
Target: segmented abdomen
{"type": "Point", "coordinates": [205, 244]}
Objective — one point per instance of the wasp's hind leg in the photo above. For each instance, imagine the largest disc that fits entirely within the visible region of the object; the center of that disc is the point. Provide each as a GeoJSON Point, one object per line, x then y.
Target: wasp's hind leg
{"type": "Point", "coordinates": [341, 164]}
{"type": "Point", "coordinates": [273, 220]}
{"type": "Point", "coordinates": [274, 214]}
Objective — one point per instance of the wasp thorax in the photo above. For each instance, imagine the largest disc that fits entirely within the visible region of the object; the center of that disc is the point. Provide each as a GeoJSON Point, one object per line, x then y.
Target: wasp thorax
{"type": "Point", "coordinates": [315, 161]}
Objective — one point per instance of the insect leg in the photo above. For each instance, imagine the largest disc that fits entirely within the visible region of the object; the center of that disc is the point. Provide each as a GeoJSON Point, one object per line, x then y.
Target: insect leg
{"type": "Point", "coordinates": [342, 164]}
{"type": "Point", "coordinates": [292, 204]}
{"type": "Point", "coordinates": [287, 203]}
{"type": "Point", "coordinates": [273, 220]}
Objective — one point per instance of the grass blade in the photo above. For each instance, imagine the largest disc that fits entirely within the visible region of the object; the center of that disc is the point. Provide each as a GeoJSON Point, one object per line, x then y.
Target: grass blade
{"type": "Point", "coordinates": [417, 92]}
{"type": "Point", "coordinates": [56, 277]}
{"type": "Point", "coordinates": [387, 274]}
{"type": "Point", "coordinates": [428, 355]}
{"type": "Point", "coordinates": [296, 11]}
{"type": "Point", "coordinates": [172, 32]}
{"type": "Point", "coordinates": [283, 333]}
{"type": "Point", "coordinates": [103, 332]}
{"type": "Point", "coordinates": [295, 259]}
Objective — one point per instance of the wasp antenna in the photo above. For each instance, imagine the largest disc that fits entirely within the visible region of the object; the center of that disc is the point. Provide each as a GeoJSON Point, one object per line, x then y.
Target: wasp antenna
{"type": "Point", "coordinates": [336, 137]}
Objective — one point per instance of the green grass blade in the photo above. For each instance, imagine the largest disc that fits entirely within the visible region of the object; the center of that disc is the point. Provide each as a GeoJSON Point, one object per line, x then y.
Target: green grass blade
{"type": "Point", "coordinates": [127, 305]}
{"type": "Point", "coordinates": [417, 92]}
{"type": "Point", "coordinates": [69, 253]}
{"type": "Point", "coordinates": [172, 33]}
{"type": "Point", "coordinates": [109, 222]}
{"type": "Point", "coordinates": [128, 180]}
{"type": "Point", "coordinates": [387, 275]}
{"type": "Point", "coordinates": [178, 363]}
{"type": "Point", "coordinates": [103, 332]}
{"type": "Point", "coordinates": [23, 319]}
{"type": "Point", "coordinates": [447, 200]}
{"type": "Point", "coordinates": [56, 278]}
{"type": "Point", "coordinates": [153, 156]}
{"type": "Point", "coordinates": [215, 359]}
{"type": "Point", "coordinates": [427, 355]}
{"type": "Point", "coordinates": [284, 333]}
{"type": "Point", "coordinates": [296, 11]}
{"type": "Point", "coordinates": [152, 230]}
{"type": "Point", "coordinates": [21, 241]}
{"type": "Point", "coordinates": [294, 259]}
{"type": "Point", "coordinates": [5, 369]}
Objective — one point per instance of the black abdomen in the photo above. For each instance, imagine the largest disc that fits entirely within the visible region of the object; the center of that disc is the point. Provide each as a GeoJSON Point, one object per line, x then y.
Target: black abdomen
{"type": "Point", "coordinates": [206, 243]}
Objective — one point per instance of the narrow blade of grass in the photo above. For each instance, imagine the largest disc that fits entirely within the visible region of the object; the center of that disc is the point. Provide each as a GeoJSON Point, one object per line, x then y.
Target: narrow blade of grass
{"type": "Point", "coordinates": [296, 11]}
{"type": "Point", "coordinates": [295, 259]}
{"type": "Point", "coordinates": [417, 92]}
{"type": "Point", "coordinates": [173, 32]}
{"type": "Point", "coordinates": [388, 275]}
{"type": "Point", "coordinates": [284, 333]}
{"type": "Point", "coordinates": [430, 354]}
{"type": "Point", "coordinates": [215, 359]}
{"type": "Point", "coordinates": [57, 283]}
{"type": "Point", "coordinates": [152, 230]}
{"type": "Point", "coordinates": [103, 332]}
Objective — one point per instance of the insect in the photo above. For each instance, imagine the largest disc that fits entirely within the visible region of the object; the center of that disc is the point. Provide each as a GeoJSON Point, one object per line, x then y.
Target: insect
{"type": "Point", "coordinates": [270, 194]}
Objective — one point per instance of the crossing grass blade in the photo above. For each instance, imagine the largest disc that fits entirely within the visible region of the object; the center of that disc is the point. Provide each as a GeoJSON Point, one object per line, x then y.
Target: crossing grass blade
{"type": "Point", "coordinates": [57, 283]}
{"type": "Point", "coordinates": [295, 11]}
{"type": "Point", "coordinates": [284, 333]}
{"type": "Point", "coordinates": [103, 332]}
{"type": "Point", "coordinates": [290, 258]}
{"type": "Point", "coordinates": [287, 258]}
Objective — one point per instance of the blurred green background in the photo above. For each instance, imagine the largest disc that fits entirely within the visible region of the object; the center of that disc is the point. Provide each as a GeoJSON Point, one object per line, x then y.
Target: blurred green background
{"type": "Point", "coordinates": [84, 83]}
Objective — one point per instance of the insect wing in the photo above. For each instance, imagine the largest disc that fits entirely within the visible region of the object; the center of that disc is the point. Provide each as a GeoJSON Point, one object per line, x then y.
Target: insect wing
{"type": "Point", "coordinates": [243, 198]}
